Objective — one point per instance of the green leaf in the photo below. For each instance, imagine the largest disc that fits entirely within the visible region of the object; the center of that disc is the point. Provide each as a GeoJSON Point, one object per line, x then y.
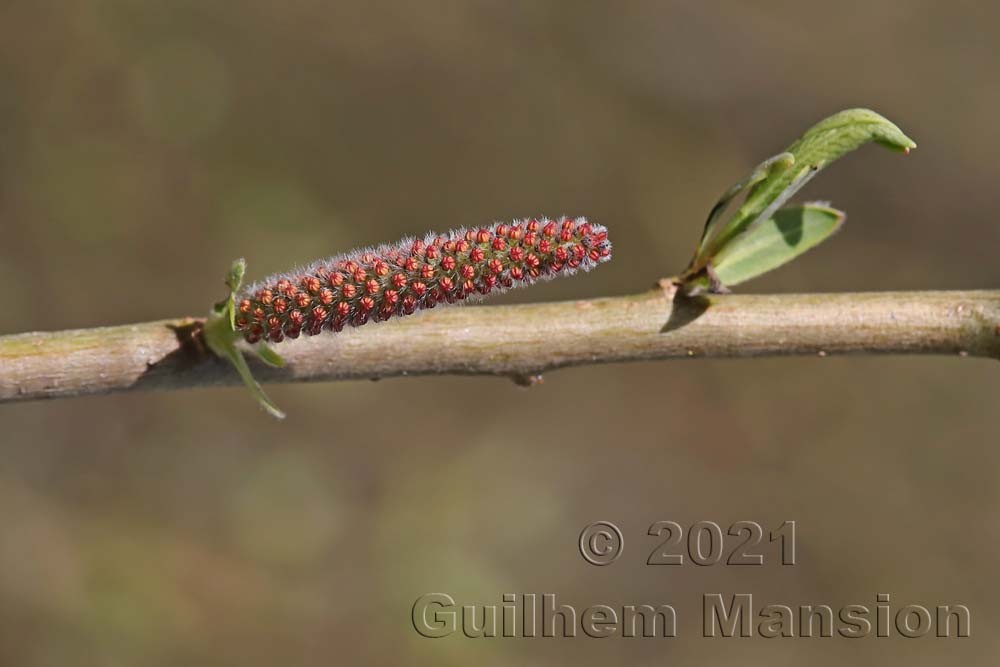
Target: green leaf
{"type": "Point", "coordinates": [777, 241]}
{"type": "Point", "coordinates": [269, 356]}
{"type": "Point", "coordinates": [240, 364]}
{"type": "Point", "coordinates": [233, 281]}
{"type": "Point", "coordinates": [221, 339]}
{"type": "Point", "coordinates": [235, 276]}
{"type": "Point", "coordinates": [221, 336]}
{"type": "Point", "coordinates": [762, 171]}
{"type": "Point", "coordinates": [823, 143]}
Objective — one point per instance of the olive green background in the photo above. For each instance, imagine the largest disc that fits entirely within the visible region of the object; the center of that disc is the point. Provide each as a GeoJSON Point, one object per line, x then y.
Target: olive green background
{"type": "Point", "coordinates": [144, 145]}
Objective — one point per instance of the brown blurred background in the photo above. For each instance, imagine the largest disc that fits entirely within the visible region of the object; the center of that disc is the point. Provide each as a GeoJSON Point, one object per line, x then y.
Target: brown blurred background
{"type": "Point", "coordinates": [145, 145]}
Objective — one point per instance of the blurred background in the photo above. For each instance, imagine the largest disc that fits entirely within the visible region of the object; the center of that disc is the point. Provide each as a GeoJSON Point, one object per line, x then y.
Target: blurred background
{"type": "Point", "coordinates": [145, 145]}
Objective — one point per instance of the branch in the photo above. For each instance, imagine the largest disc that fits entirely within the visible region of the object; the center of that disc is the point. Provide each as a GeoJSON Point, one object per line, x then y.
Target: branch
{"type": "Point", "coordinates": [520, 341]}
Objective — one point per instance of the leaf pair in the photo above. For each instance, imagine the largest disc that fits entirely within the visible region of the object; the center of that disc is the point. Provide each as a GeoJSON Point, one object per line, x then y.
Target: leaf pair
{"type": "Point", "coordinates": [760, 236]}
{"type": "Point", "coordinates": [221, 337]}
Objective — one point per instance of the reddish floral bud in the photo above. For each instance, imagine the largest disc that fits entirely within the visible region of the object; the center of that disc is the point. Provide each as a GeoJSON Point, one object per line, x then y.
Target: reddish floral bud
{"type": "Point", "coordinates": [311, 284]}
{"type": "Point", "coordinates": [389, 281]}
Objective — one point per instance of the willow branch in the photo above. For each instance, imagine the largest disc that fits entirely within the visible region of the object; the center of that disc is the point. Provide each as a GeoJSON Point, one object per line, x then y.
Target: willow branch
{"type": "Point", "coordinates": [520, 341]}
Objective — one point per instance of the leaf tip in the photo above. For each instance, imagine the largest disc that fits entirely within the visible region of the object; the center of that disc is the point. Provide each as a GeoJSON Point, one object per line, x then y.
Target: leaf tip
{"type": "Point", "coordinates": [236, 272]}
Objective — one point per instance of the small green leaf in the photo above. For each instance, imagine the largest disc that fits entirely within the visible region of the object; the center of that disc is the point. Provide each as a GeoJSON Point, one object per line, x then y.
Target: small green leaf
{"type": "Point", "coordinates": [762, 171]}
{"type": "Point", "coordinates": [240, 364]}
{"type": "Point", "coordinates": [819, 146]}
{"type": "Point", "coordinates": [235, 276]}
{"type": "Point", "coordinates": [222, 308]}
{"type": "Point", "coordinates": [233, 281]}
{"type": "Point", "coordinates": [221, 336]}
{"type": "Point", "coordinates": [268, 355]}
{"type": "Point", "coordinates": [221, 339]}
{"type": "Point", "coordinates": [778, 241]}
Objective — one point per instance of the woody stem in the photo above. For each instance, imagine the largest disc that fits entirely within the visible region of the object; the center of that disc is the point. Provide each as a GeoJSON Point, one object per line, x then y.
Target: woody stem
{"type": "Point", "coordinates": [515, 341]}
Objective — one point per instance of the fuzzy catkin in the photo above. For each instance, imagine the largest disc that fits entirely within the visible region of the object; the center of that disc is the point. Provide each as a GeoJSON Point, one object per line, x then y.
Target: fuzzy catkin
{"type": "Point", "coordinates": [375, 284]}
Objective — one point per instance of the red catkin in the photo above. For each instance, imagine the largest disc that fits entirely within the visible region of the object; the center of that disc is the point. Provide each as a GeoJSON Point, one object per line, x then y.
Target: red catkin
{"type": "Point", "coordinates": [375, 284]}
